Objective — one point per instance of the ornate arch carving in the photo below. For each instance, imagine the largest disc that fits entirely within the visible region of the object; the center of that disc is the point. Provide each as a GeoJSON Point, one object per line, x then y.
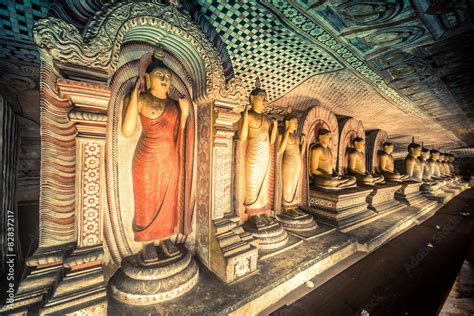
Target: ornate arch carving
{"type": "Point", "coordinates": [153, 22]}
{"type": "Point", "coordinates": [349, 128]}
{"type": "Point", "coordinates": [310, 122]}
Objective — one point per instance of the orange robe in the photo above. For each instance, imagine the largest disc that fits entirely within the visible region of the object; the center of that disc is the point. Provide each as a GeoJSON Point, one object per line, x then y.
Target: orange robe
{"type": "Point", "coordinates": [156, 173]}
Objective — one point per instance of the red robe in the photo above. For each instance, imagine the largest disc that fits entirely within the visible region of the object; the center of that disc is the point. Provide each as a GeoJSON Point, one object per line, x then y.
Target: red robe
{"type": "Point", "coordinates": [156, 170]}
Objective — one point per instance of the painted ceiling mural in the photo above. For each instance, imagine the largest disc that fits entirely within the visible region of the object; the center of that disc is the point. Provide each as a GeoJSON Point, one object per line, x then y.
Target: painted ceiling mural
{"type": "Point", "coordinates": [399, 65]}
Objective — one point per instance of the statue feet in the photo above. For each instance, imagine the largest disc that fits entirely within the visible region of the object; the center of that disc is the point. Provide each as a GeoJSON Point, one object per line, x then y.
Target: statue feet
{"type": "Point", "coordinates": [294, 212]}
{"type": "Point", "coordinates": [261, 221]}
{"type": "Point", "coordinates": [296, 221]}
{"type": "Point", "coordinates": [270, 233]}
{"type": "Point", "coordinates": [169, 248]}
{"type": "Point", "coordinates": [149, 253]}
{"type": "Point", "coordinates": [257, 221]}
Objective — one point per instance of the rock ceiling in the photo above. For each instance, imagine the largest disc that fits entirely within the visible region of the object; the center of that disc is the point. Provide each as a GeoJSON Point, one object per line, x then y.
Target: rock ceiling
{"type": "Point", "coordinates": [402, 66]}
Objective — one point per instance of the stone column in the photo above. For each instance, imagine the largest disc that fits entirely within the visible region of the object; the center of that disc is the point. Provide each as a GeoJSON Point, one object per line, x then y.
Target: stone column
{"type": "Point", "coordinates": [9, 253]}
{"type": "Point", "coordinates": [233, 253]}
{"type": "Point", "coordinates": [82, 289]}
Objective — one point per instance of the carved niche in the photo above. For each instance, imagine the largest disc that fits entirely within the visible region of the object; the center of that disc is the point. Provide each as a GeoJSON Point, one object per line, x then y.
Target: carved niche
{"type": "Point", "coordinates": [309, 123]}
{"type": "Point", "coordinates": [373, 144]}
{"type": "Point", "coordinates": [83, 77]}
{"type": "Point", "coordinates": [349, 129]}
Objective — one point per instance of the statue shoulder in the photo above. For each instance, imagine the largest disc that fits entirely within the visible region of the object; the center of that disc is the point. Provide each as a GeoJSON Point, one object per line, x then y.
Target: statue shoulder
{"type": "Point", "coordinates": [316, 148]}
{"type": "Point", "coordinates": [383, 154]}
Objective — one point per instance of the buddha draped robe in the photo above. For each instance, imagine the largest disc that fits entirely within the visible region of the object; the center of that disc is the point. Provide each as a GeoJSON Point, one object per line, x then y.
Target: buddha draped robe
{"type": "Point", "coordinates": [257, 167]}
{"type": "Point", "coordinates": [156, 169]}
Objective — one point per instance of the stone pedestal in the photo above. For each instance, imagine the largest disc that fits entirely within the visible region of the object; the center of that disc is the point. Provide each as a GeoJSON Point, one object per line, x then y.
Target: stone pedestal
{"type": "Point", "coordinates": [299, 223]}
{"type": "Point", "coordinates": [410, 193]}
{"type": "Point", "coordinates": [434, 192]}
{"type": "Point", "coordinates": [83, 287]}
{"type": "Point", "coordinates": [137, 283]}
{"type": "Point", "coordinates": [382, 198]}
{"type": "Point", "coordinates": [341, 208]}
{"type": "Point", "coordinates": [270, 237]}
{"type": "Point", "coordinates": [235, 251]}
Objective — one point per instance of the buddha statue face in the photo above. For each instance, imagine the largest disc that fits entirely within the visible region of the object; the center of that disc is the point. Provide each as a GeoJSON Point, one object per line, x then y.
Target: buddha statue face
{"type": "Point", "coordinates": [324, 138]}
{"type": "Point", "coordinates": [292, 124]}
{"type": "Point", "coordinates": [415, 151]}
{"type": "Point", "coordinates": [388, 148]}
{"type": "Point", "coordinates": [359, 144]}
{"type": "Point", "coordinates": [257, 101]}
{"type": "Point", "coordinates": [434, 155]}
{"type": "Point", "coordinates": [425, 154]}
{"type": "Point", "coordinates": [159, 80]}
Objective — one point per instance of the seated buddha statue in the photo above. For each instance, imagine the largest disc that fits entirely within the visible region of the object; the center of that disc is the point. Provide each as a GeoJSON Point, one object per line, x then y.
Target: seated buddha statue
{"type": "Point", "coordinates": [425, 165]}
{"type": "Point", "coordinates": [427, 172]}
{"type": "Point", "coordinates": [434, 166]}
{"type": "Point", "coordinates": [412, 163]}
{"type": "Point", "coordinates": [451, 169]}
{"type": "Point", "coordinates": [322, 168]}
{"type": "Point", "coordinates": [443, 167]}
{"type": "Point", "coordinates": [386, 165]}
{"type": "Point", "coordinates": [357, 164]}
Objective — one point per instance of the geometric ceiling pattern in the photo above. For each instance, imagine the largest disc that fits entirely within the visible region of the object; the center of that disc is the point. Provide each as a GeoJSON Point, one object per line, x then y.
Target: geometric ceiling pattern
{"type": "Point", "coordinates": [259, 45]}
{"type": "Point", "coordinates": [396, 39]}
{"type": "Point", "coordinates": [405, 62]}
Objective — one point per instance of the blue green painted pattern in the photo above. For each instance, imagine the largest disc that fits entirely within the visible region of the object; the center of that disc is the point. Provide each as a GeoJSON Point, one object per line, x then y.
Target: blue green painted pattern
{"type": "Point", "coordinates": [260, 45]}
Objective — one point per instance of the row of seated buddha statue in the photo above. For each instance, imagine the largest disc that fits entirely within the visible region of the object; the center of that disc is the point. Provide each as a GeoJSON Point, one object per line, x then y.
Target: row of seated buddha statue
{"type": "Point", "coordinates": [339, 199]}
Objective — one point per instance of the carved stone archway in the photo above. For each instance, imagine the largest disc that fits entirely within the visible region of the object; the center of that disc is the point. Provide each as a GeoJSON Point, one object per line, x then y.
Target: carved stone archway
{"type": "Point", "coordinates": [349, 129]}
{"type": "Point", "coordinates": [309, 124]}
{"type": "Point", "coordinates": [373, 144]}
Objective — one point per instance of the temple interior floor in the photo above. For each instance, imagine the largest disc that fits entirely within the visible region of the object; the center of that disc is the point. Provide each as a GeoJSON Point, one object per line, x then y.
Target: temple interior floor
{"type": "Point", "coordinates": [371, 274]}
{"type": "Point", "coordinates": [410, 275]}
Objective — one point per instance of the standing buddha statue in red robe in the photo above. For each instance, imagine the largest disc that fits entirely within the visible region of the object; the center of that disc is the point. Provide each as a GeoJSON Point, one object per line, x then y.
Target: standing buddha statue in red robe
{"type": "Point", "coordinates": [157, 164]}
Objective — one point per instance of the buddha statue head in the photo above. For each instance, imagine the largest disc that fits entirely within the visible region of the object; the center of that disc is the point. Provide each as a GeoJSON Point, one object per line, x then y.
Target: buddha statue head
{"type": "Point", "coordinates": [258, 97]}
{"type": "Point", "coordinates": [324, 137]}
{"type": "Point", "coordinates": [359, 144]}
{"type": "Point", "coordinates": [425, 153]}
{"type": "Point", "coordinates": [434, 154]}
{"type": "Point", "coordinates": [291, 124]}
{"type": "Point", "coordinates": [387, 147]}
{"type": "Point", "coordinates": [158, 75]}
{"type": "Point", "coordinates": [414, 149]}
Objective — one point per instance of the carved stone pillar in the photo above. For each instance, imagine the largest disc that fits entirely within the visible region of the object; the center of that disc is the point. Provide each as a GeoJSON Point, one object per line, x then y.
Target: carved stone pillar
{"type": "Point", "coordinates": [9, 254]}
{"type": "Point", "coordinates": [233, 252]}
{"type": "Point", "coordinates": [82, 289]}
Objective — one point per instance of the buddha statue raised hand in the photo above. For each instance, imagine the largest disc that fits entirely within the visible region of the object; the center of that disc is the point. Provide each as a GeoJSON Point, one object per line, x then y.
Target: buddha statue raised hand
{"type": "Point", "coordinates": [293, 149]}
{"type": "Point", "coordinates": [357, 164]}
{"type": "Point", "coordinates": [322, 169]}
{"type": "Point", "coordinates": [386, 165]}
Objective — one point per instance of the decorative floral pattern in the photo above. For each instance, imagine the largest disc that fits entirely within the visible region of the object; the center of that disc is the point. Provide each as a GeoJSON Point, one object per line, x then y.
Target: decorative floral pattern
{"type": "Point", "coordinates": [91, 195]}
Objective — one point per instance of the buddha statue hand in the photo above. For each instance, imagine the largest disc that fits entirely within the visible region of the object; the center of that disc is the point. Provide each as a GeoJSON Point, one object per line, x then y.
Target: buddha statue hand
{"type": "Point", "coordinates": [184, 108]}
